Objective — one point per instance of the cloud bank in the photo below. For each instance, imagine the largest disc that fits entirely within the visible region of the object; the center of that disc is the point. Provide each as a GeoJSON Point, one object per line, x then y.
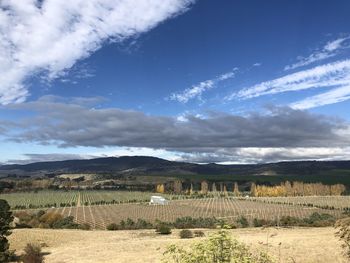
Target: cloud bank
{"type": "Point", "coordinates": [48, 37]}
{"type": "Point", "coordinates": [72, 123]}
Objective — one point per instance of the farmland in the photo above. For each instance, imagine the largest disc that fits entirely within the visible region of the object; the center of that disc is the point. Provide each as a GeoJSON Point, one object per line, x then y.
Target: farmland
{"type": "Point", "coordinates": [101, 208]}
{"type": "Point", "coordinates": [46, 199]}
{"type": "Point", "coordinates": [222, 208]}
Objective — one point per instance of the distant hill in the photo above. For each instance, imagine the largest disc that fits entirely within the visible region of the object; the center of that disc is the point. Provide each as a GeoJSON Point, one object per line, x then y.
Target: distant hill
{"type": "Point", "coordinates": [145, 165]}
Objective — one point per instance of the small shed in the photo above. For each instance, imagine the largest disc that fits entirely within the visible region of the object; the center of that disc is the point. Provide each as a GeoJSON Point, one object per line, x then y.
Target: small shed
{"type": "Point", "coordinates": [158, 200]}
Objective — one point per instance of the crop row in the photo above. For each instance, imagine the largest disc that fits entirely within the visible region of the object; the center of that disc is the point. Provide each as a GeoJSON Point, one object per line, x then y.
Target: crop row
{"type": "Point", "coordinates": [221, 208]}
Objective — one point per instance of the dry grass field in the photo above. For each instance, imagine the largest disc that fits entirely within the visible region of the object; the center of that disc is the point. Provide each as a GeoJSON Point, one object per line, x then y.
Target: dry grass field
{"type": "Point", "coordinates": [304, 245]}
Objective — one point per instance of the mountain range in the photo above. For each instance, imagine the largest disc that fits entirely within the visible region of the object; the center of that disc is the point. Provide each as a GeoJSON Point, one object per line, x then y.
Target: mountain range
{"type": "Point", "coordinates": [145, 165]}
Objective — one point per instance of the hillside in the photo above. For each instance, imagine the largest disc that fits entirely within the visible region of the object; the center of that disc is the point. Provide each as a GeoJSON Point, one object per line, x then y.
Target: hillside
{"type": "Point", "coordinates": [325, 171]}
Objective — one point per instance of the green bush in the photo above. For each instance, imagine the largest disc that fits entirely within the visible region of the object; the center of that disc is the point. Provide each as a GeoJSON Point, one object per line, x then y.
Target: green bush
{"type": "Point", "coordinates": [219, 248]}
{"type": "Point", "coordinates": [243, 221]}
{"type": "Point", "coordinates": [163, 229]}
{"type": "Point", "coordinates": [185, 233]}
{"type": "Point", "coordinates": [198, 233]}
{"type": "Point", "coordinates": [67, 222]}
{"type": "Point", "coordinates": [112, 227]}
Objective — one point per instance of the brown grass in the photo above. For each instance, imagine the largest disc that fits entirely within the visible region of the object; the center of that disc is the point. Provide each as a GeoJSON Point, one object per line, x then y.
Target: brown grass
{"type": "Point", "coordinates": [306, 245]}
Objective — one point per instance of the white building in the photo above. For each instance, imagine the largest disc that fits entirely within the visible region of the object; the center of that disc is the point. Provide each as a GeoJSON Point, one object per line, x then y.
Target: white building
{"type": "Point", "coordinates": [158, 200]}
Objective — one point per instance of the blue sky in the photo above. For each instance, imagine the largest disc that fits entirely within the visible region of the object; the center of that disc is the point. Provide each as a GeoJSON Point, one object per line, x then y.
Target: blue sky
{"type": "Point", "coordinates": [179, 79]}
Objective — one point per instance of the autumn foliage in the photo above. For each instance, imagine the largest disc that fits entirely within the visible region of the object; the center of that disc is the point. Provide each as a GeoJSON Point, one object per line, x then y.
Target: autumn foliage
{"type": "Point", "coordinates": [297, 189]}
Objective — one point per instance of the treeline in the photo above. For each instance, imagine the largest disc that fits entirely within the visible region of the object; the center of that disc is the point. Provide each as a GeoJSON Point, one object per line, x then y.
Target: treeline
{"type": "Point", "coordinates": [296, 189]}
{"type": "Point", "coordinates": [233, 189]}
{"type": "Point", "coordinates": [314, 220]}
{"type": "Point", "coordinates": [42, 219]}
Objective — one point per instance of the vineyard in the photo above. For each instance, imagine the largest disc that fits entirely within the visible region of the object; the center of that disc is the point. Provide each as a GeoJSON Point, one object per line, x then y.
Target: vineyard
{"type": "Point", "coordinates": [48, 199]}
{"type": "Point", "coordinates": [101, 208]}
{"type": "Point", "coordinates": [328, 202]}
{"type": "Point", "coordinates": [222, 208]}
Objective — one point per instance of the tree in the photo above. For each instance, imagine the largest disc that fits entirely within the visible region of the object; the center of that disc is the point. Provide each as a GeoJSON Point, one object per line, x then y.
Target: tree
{"type": "Point", "coordinates": [253, 190]}
{"type": "Point", "coordinates": [236, 190]}
{"type": "Point", "coordinates": [204, 187]}
{"type": "Point", "coordinates": [177, 187]}
{"type": "Point", "coordinates": [160, 188]}
{"type": "Point", "coordinates": [5, 221]}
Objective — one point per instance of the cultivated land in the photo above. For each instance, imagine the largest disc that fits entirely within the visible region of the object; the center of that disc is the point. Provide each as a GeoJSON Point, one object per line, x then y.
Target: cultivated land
{"type": "Point", "coordinates": [222, 208]}
{"type": "Point", "coordinates": [304, 245]}
{"type": "Point", "coordinates": [100, 208]}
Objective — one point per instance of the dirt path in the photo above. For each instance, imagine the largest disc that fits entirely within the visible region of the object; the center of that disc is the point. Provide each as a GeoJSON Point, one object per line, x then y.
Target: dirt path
{"type": "Point", "coordinates": [301, 245]}
{"type": "Point", "coordinates": [79, 200]}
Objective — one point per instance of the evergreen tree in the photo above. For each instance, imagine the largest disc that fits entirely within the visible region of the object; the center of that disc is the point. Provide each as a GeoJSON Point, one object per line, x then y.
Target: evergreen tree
{"type": "Point", "coordinates": [5, 221]}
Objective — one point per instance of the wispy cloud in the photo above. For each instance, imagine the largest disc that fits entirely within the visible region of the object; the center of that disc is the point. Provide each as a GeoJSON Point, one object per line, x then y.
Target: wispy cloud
{"type": "Point", "coordinates": [49, 37]}
{"type": "Point", "coordinates": [330, 97]}
{"type": "Point", "coordinates": [197, 90]}
{"type": "Point", "coordinates": [331, 49]}
{"type": "Point", "coordinates": [334, 75]}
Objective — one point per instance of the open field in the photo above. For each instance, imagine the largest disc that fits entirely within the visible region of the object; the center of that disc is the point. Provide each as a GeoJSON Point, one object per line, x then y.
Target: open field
{"type": "Point", "coordinates": [301, 245]}
{"type": "Point", "coordinates": [224, 208]}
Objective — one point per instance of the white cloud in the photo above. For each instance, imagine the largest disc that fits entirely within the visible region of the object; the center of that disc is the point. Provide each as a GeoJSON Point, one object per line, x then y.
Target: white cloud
{"type": "Point", "coordinates": [331, 49]}
{"type": "Point", "coordinates": [50, 36]}
{"type": "Point", "coordinates": [265, 155]}
{"type": "Point", "coordinates": [330, 97]}
{"type": "Point", "coordinates": [197, 90]}
{"type": "Point", "coordinates": [334, 75]}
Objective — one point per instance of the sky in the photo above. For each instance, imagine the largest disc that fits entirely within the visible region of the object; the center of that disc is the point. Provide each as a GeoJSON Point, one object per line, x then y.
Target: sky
{"type": "Point", "coordinates": [243, 81]}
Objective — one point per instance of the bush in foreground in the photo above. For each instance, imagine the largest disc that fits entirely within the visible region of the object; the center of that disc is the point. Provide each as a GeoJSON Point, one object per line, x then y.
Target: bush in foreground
{"type": "Point", "coordinates": [186, 233]}
{"type": "Point", "coordinates": [32, 254]}
{"type": "Point", "coordinates": [219, 248]}
{"type": "Point", "coordinates": [343, 226]}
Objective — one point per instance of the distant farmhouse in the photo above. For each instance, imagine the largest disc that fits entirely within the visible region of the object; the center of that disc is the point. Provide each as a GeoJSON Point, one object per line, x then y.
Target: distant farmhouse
{"type": "Point", "coordinates": [158, 200]}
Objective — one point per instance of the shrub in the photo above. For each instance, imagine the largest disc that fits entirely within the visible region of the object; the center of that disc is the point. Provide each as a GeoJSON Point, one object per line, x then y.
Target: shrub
{"type": "Point", "coordinates": [243, 221]}
{"type": "Point", "coordinates": [185, 233]}
{"type": "Point", "coordinates": [198, 233]}
{"type": "Point", "coordinates": [319, 220]}
{"type": "Point", "coordinates": [343, 233]}
{"type": "Point", "coordinates": [32, 254]}
{"type": "Point", "coordinates": [189, 222]}
{"type": "Point", "coordinates": [50, 218]}
{"type": "Point", "coordinates": [163, 229]}
{"type": "Point", "coordinates": [112, 227]}
{"type": "Point", "coordinates": [219, 248]}
{"type": "Point", "coordinates": [263, 222]}
{"type": "Point", "coordinates": [84, 226]}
